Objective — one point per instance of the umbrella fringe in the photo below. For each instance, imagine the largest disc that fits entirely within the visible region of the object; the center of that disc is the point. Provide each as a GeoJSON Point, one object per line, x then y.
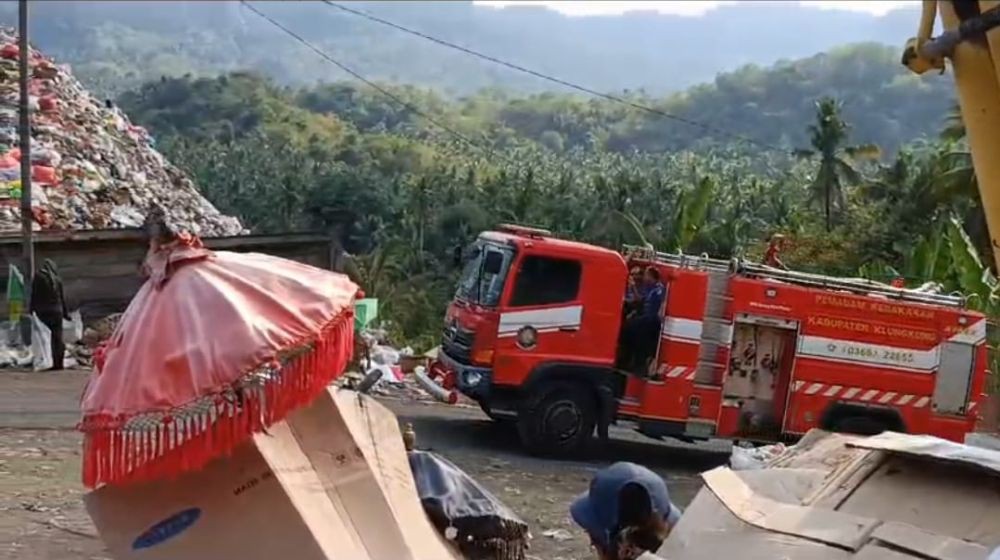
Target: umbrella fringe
{"type": "Point", "coordinates": [154, 446]}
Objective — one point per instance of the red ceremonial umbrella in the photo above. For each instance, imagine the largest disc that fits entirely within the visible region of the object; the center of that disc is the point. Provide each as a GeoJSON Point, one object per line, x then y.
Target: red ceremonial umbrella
{"type": "Point", "coordinates": [214, 347]}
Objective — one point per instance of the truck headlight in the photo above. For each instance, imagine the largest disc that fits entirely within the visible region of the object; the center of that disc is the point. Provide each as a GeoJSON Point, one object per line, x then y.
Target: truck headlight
{"type": "Point", "coordinates": [473, 378]}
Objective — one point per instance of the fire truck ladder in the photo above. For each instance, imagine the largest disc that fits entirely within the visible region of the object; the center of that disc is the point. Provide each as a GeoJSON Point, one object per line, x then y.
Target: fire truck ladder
{"type": "Point", "coordinates": [859, 286]}
{"type": "Point", "coordinates": [717, 330]}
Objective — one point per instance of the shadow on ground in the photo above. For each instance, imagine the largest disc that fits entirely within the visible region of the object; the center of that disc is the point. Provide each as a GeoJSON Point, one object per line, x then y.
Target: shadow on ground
{"type": "Point", "coordinates": [472, 432]}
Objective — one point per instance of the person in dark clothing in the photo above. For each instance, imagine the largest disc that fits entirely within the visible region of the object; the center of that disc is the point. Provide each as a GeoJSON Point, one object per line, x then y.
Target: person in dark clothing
{"type": "Point", "coordinates": [648, 322]}
{"type": "Point", "coordinates": [626, 512]}
{"type": "Point", "coordinates": [634, 292]}
{"type": "Point", "coordinates": [641, 331]}
{"type": "Point", "coordinates": [49, 303]}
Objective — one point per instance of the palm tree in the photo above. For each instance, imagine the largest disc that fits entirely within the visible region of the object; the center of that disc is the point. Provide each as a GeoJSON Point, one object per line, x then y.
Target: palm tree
{"type": "Point", "coordinates": [954, 126]}
{"type": "Point", "coordinates": [836, 161]}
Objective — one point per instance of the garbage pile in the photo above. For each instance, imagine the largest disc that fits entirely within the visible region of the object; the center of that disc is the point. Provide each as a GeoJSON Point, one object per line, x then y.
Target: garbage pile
{"type": "Point", "coordinates": [385, 371]}
{"type": "Point", "coordinates": [91, 167]}
{"type": "Point", "coordinates": [82, 349]}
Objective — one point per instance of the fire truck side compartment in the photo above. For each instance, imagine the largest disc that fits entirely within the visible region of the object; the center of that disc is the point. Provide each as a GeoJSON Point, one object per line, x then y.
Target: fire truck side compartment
{"type": "Point", "coordinates": [954, 378]}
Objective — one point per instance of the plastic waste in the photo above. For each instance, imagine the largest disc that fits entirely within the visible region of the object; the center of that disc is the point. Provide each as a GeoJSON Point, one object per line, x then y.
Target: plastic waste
{"type": "Point", "coordinates": [384, 355]}
{"type": "Point", "coordinates": [753, 458]}
{"type": "Point", "coordinates": [41, 345]}
{"type": "Point", "coordinates": [98, 169]}
{"type": "Point", "coordinates": [73, 328]}
{"type": "Point", "coordinates": [465, 512]}
{"type": "Point", "coordinates": [43, 174]}
{"type": "Point", "coordinates": [10, 51]}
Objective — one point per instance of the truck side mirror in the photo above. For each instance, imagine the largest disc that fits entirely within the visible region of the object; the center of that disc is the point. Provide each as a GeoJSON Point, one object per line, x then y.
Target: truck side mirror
{"type": "Point", "coordinates": [493, 263]}
{"type": "Point", "coordinates": [456, 256]}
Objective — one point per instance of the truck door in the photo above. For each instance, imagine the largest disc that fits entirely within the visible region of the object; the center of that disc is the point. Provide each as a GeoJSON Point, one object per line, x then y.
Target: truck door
{"type": "Point", "coordinates": [542, 318]}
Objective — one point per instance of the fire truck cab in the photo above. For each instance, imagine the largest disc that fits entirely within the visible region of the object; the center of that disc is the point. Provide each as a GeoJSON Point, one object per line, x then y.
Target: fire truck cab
{"type": "Point", "coordinates": [745, 351]}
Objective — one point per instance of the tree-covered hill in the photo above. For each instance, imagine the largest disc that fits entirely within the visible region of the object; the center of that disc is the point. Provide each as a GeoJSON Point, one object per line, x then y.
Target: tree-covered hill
{"type": "Point", "coordinates": [886, 105]}
{"type": "Point", "coordinates": [117, 45]}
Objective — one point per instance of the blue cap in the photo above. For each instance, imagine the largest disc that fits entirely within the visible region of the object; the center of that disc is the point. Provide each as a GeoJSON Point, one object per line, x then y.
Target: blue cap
{"type": "Point", "coordinates": [596, 511]}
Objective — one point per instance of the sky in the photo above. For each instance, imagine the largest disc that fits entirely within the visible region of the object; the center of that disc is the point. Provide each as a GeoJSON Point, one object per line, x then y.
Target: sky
{"type": "Point", "coordinates": [688, 7]}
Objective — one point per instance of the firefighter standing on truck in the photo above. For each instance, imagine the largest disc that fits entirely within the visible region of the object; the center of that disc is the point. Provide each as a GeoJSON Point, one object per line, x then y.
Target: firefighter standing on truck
{"type": "Point", "coordinates": [642, 329]}
{"type": "Point", "coordinates": [774, 247]}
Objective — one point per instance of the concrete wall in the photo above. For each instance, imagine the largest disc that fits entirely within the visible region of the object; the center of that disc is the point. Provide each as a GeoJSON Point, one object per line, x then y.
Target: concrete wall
{"type": "Point", "coordinates": [100, 268]}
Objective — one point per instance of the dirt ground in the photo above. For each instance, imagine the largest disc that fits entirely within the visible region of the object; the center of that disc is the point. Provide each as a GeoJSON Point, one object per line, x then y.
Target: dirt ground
{"type": "Point", "coordinates": [42, 516]}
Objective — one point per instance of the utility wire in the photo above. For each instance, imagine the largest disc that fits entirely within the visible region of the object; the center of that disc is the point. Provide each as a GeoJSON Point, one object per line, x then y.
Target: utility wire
{"type": "Point", "coordinates": [392, 96]}
{"type": "Point", "coordinates": [553, 79]}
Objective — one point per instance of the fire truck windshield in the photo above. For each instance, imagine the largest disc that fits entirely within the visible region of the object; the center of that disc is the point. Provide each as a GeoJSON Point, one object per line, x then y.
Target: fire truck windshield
{"type": "Point", "coordinates": [484, 274]}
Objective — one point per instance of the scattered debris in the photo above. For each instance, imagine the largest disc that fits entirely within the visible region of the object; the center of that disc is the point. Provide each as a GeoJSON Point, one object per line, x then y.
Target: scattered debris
{"type": "Point", "coordinates": [753, 458]}
{"type": "Point", "coordinates": [558, 534]}
{"type": "Point", "coordinates": [91, 167]}
{"type": "Point", "coordinates": [100, 330]}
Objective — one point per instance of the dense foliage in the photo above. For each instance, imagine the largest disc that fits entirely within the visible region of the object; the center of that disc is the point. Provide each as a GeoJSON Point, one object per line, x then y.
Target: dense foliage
{"type": "Point", "coordinates": [400, 194]}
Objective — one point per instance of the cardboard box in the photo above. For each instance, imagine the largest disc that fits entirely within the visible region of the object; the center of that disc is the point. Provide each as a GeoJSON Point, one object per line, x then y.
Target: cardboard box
{"type": "Point", "coordinates": [357, 449]}
{"type": "Point", "coordinates": [833, 497]}
{"type": "Point", "coordinates": [264, 502]}
{"type": "Point", "coordinates": [332, 482]}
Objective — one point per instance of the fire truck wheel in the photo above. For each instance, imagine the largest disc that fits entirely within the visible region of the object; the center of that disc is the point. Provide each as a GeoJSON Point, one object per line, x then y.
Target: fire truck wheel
{"type": "Point", "coordinates": [558, 420]}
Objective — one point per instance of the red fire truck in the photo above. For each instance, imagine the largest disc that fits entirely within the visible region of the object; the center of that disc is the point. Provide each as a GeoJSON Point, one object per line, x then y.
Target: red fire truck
{"type": "Point", "coordinates": [746, 351]}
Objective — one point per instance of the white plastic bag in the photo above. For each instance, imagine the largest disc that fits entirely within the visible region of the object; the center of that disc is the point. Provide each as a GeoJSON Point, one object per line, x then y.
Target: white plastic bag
{"type": "Point", "coordinates": [384, 355]}
{"type": "Point", "coordinates": [41, 345]}
{"type": "Point", "coordinates": [742, 459]}
{"type": "Point", "coordinates": [753, 458]}
{"type": "Point", "coordinates": [73, 328]}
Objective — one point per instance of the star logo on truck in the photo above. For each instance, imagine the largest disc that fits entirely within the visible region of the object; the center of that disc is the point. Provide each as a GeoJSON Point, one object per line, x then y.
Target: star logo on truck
{"type": "Point", "coordinates": [831, 347]}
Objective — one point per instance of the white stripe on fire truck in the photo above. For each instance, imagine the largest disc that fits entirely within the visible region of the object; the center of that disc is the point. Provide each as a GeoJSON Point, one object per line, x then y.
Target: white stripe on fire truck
{"type": "Point", "coordinates": [973, 334]}
{"type": "Point", "coordinates": [843, 350]}
{"type": "Point", "coordinates": [542, 320]}
{"type": "Point", "coordinates": [814, 388]}
{"type": "Point", "coordinates": [886, 397]}
{"type": "Point", "coordinates": [850, 392]}
{"type": "Point", "coordinates": [676, 371]}
{"type": "Point", "coordinates": [858, 393]}
{"type": "Point", "coordinates": [866, 353]}
{"type": "Point", "coordinates": [685, 329]}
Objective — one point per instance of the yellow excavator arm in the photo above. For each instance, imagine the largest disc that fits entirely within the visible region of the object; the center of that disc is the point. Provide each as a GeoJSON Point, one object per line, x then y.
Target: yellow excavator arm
{"type": "Point", "coordinates": [971, 39]}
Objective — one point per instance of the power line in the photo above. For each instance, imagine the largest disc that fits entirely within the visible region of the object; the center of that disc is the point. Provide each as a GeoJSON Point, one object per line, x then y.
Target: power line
{"type": "Point", "coordinates": [392, 96]}
{"type": "Point", "coordinates": [553, 79]}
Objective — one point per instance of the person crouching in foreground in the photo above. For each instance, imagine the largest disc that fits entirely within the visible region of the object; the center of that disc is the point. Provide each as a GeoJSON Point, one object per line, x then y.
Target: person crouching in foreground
{"type": "Point", "coordinates": [627, 512]}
